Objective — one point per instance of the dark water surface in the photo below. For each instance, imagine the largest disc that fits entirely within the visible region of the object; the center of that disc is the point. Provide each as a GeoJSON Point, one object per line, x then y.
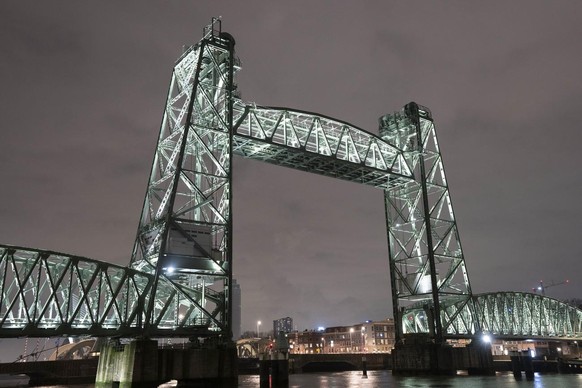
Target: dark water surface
{"type": "Point", "coordinates": [383, 378]}
{"type": "Point", "coordinates": [386, 379]}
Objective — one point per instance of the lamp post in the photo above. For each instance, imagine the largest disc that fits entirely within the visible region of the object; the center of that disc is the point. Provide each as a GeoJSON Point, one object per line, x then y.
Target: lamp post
{"type": "Point", "coordinates": [351, 342]}
{"type": "Point", "coordinates": [258, 327]}
{"type": "Point", "coordinates": [323, 345]}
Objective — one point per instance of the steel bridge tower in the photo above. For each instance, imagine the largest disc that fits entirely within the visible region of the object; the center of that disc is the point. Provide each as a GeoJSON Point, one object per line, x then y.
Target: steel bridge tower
{"type": "Point", "coordinates": [427, 266]}
{"type": "Point", "coordinates": [185, 231]}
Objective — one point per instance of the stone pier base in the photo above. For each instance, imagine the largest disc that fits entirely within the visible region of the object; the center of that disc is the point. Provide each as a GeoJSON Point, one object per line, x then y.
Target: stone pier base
{"type": "Point", "coordinates": [141, 364]}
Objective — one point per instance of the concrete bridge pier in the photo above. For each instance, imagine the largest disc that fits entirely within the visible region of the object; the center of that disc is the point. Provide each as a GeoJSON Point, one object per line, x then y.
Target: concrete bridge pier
{"type": "Point", "coordinates": [419, 355]}
{"type": "Point", "coordinates": [128, 365]}
{"type": "Point", "coordinates": [522, 362]}
{"type": "Point", "coordinates": [142, 364]}
{"type": "Point", "coordinates": [274, 370]}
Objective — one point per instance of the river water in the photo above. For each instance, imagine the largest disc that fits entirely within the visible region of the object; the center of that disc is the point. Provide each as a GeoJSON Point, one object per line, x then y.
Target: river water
{"type": "Point", "coordinates": [384, 378]}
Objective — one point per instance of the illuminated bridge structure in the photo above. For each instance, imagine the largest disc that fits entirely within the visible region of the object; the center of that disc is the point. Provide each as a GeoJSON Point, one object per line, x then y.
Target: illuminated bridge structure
{"type": "Point", "coordinates": [178, 281]}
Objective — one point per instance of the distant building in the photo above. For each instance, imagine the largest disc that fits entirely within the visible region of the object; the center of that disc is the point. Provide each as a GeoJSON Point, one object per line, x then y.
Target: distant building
{"type": "Point", "coordinates": [236, 309]}
{"type": "Point", "coordinates": [379, 336]}
{"type": "Point", "coordinates": [306, 342]}
{"type": "Point", "coordinates": [366, 337]}
{"type": "Point", "coordinates": [283, 324]}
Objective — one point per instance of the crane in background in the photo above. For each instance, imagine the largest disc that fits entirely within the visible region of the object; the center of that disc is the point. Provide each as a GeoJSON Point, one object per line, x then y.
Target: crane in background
{"type": "Point", "coordinates": [542, 287]}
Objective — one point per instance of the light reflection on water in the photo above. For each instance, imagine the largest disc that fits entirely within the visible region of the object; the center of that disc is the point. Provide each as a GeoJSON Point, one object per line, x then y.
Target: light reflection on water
{"type": "Point", "coordinates": [375, 379]}
{"type": "Point", "coordinates": [384, 379]}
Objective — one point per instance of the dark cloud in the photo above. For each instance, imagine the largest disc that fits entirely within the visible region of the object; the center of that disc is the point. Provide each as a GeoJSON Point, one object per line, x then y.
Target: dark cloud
{"type": "Point", "coordinates": [82, 92]}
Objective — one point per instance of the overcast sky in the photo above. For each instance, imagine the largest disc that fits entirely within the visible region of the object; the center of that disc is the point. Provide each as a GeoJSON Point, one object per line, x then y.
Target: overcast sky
{"type": "Point", "coordinates": [82, 90]}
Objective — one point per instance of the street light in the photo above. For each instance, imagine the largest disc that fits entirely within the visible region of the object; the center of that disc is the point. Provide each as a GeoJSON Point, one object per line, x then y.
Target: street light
{"type": "Point", "coordinates": [323, 346]}
{"type": "Point", "coordinates": [351, 343]}
{"type": "Point", "coordinates": [258, 326]}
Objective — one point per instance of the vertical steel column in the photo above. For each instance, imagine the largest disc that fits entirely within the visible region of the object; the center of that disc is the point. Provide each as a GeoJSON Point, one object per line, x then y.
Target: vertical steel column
{"type": "Point", "coordinates": [413, 114]}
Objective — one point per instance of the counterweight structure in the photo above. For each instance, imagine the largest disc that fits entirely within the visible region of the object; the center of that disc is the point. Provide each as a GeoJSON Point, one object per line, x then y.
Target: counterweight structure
{"type": "Point", "coordinates": [179, 281]}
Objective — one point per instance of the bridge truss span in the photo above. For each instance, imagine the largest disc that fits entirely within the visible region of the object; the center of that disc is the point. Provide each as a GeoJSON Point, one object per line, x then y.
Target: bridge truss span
{"type": "Point", "coordinates": [529, 315]}
{"type": "Point", "coordinates": [318, 144]}
{"type": "Point", "coordinates": [506, 315]}
{"type": "Point", "coordinates": [46, 293]}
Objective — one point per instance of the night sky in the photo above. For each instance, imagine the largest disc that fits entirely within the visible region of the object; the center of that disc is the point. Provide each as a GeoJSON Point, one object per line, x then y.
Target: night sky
{"type": "Point", "coordinates": [82, 90]}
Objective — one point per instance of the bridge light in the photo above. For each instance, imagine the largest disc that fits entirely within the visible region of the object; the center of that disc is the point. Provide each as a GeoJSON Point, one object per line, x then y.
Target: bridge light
{"type": "Point", "coordinates": [170, 270]}
{"type": "Point", "coordinates": [486, 338]}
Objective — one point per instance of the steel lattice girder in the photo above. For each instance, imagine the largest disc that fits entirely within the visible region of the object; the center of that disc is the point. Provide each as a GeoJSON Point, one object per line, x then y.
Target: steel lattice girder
{"type": "Point", "coordinates": [506, 315]}
{"type": "Point", "coordinates": [317, 144]}
{"type": "Point", "coordinates": [47, 293]}
{"type": "Point", "coordinates": [529, 315]}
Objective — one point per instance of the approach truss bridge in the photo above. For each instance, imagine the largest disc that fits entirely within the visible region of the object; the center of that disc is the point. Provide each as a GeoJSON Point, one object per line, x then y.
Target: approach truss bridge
{"type": "Point", "coordinates": [178, 281]}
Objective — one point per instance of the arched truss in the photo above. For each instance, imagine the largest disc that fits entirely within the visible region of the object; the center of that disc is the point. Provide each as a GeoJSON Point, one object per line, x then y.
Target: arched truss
{"type": "Point", "coordinates": [507, 315]}
{"type": "Point", "coordinates": [251, 347]}
{"type": "Point", "coordinates": [317, 144]}
{"type": "Point", "coordinates": [74, 351]}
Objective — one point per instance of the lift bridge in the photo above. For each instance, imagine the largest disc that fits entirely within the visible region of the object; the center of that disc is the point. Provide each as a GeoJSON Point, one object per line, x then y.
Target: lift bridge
{"type": "Point", "coordinates": [179, 279]}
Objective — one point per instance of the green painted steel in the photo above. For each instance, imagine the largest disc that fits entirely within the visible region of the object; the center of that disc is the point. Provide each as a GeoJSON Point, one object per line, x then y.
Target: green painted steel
{"type": "Point", "coordinates": [506, 315]}
{"type": "Point", "coordinates": [48, 293]}
{"type": "Point", "coordinates": [317, 144]}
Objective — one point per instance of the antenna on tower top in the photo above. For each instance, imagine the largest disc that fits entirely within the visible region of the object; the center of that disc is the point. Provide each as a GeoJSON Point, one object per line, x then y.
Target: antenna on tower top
{"type": "Point", "coordinates": [214, 28]}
